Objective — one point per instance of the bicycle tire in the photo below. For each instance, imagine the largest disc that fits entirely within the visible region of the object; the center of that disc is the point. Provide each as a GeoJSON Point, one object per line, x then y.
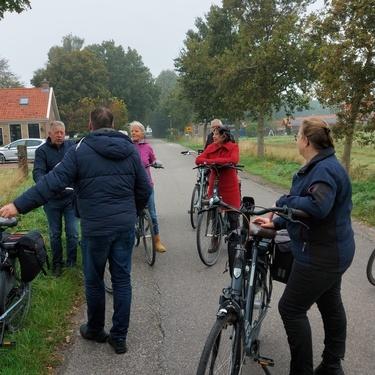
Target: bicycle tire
{"type": "Point", "coordinates": [370, 270]}
{"type": "Point", "coordinates": [20, 291]}
{"type": "Point", "coordinates": [3, 288]}
{"type": "Point", "coordinates": [223, 351]}
{"type": "Point", "coordinates": [209, 235]}
{"type": "Point", "coordinates": [193, 207]}
{"type": "Point", "coordinates": [107, 279]}
{"type": "Point", "coordinates": [147, 235]}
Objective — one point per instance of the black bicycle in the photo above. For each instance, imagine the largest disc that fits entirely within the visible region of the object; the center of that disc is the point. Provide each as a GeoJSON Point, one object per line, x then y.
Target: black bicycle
{"type": "Point", "coordinates": [370, 270]}
{"type": "Point", "coordinates": [244, 304]}
{"type": "Point", "coordinates": [15, 295]}
{"type": "Point", "coordinates": [212, 222]}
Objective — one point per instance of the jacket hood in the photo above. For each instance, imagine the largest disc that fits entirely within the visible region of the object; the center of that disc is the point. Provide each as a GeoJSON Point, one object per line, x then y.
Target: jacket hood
{"type": "Point", "coordinates": [110, 144]}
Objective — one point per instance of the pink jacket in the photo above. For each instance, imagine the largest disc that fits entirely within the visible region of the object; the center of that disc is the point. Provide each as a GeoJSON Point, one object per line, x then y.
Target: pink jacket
{"type": "Point", "coordinates": [147, 156]}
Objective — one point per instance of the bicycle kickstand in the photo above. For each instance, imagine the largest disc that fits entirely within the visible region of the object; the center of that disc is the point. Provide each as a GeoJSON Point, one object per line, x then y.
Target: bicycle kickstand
{"type": "Point", "coordinates": [7, 345]}
{"type": "Point", "coordinates": [264, 362]}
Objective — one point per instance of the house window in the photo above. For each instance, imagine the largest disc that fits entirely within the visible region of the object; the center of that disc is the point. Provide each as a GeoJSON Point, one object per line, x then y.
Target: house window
{"type": "Point", "coordinates": [1, 136]}
{"type": "Point", "coordinates": [15, 132]}
{"type": "Point", "coordinates": [33, 130]}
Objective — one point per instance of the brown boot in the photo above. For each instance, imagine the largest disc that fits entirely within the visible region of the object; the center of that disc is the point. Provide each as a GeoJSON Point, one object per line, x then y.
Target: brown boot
{"type": "Point", "coordinates": [159, 247]}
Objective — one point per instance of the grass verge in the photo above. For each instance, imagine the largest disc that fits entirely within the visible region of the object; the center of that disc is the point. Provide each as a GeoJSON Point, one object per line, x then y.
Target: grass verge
{"type": "Point", "coordinates": [282, 161]}
{"type": "Point", "coordinates": [53, 302]}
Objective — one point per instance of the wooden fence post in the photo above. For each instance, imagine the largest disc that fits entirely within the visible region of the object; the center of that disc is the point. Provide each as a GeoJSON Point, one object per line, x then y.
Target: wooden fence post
{"type": "Point", "coordinates": [22, 159]}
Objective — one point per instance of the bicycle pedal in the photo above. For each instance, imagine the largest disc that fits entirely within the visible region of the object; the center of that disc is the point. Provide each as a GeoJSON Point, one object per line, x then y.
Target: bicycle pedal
{"type": "Point", "coordinates": [7, 345]}
{"type": "Point", "coordinates": [264, 361]}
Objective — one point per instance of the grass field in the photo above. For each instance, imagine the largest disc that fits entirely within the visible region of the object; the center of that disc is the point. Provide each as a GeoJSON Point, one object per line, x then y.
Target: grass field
{"type": "Point", "coordinates": [53, 301]}
{"type": "Point", "coordinates": [282, 161]}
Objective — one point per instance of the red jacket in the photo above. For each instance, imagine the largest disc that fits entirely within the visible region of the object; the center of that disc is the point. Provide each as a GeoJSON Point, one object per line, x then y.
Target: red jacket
{"type": "Point", "coordinates": [225, 153]}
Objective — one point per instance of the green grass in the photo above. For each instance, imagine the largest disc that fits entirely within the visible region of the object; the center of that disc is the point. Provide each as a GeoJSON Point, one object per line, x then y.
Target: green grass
{"type": "Point", "coordinates": [48, 323]}
{"type": "Point", "coordinates": [275, 168]}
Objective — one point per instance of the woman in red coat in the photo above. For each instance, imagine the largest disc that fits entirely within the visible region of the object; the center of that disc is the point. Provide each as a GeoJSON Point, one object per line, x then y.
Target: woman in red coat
{"type": "Point", "coordinates": [224, 150]}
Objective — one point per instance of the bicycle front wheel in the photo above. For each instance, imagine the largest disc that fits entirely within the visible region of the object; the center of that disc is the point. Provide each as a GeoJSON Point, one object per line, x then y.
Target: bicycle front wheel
{"type": "Point", "coordinates": [371, 268]}
{"type": "Point", "coordinates": [20, 297]}
{"type": "Point", "coordinates": [223, 352]}
{"type": "Point", "coordinates": [194, 207]}
{"type": "Point", "coordinates": [147, 235]}
{"type": "Point", "coordinates": [107, 279]}
{"type": "Point", "coordinates": [209, 234]}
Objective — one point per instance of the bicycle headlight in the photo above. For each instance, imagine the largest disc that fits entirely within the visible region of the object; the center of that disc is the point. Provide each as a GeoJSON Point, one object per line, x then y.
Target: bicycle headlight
{"type": "Point", "coordinates": [236, 272]}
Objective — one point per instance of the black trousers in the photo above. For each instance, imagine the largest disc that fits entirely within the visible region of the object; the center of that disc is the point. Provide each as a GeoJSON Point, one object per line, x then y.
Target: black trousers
{"type": "Point", "coordinates": [305, 287]}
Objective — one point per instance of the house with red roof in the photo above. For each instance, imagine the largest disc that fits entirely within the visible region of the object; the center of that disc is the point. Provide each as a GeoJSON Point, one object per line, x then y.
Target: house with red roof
{"type": "Point", "coordinates": [26, 112]}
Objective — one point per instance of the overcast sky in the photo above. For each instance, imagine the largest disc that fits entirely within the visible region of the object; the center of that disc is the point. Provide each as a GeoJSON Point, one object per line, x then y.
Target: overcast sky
{"type": "Point", "coordinates": [155, 28]}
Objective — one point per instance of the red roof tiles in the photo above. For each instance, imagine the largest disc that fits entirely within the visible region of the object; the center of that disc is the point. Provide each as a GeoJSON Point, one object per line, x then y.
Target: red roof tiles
{"type": "Point", "coordinates": [11, 109]}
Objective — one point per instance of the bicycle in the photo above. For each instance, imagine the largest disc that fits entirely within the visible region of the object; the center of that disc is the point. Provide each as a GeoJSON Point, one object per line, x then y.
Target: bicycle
{"type": "Point", "coordinates": [144, 230]}
{"type": "Point", "coordinates": [212, 224]}
{"type": "Point", "coordinates": [199, 191]}
{"type": "Point", "coordinates": [370, 269]}
{"type": "Point", "coordinates": [15, 295]}
{"type": "Point", "coordinates": [244, 304]}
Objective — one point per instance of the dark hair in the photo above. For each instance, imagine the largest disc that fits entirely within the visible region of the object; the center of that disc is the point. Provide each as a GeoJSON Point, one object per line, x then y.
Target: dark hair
{"type": "Point", "coordinates": [317, 132]}
{"type": "Point", "coordinates": [101, 117]}
{"type": "Point", "coordinates": [224, 130]}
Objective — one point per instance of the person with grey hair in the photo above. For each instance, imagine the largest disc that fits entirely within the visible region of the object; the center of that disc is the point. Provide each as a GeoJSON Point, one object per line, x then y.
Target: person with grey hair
{"type": "Point", "coordinates": [148, 157]}
{"type": "Point", "coordinates": [60, 206]}
{"type": "Point", "coordinates": [215, 124]}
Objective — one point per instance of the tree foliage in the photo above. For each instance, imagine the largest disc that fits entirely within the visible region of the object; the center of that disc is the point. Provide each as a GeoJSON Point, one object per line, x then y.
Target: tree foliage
{"type": "Point", "coordinates": [128, 79]}
{"type": "Point", "coordinates": [247, 56]}
{"type": "Point", "coordinates": [7, 78]}
{"type": "Point", "coordinates": [345, 39]}
{"type": "Point", "coordinates": [13, 6]}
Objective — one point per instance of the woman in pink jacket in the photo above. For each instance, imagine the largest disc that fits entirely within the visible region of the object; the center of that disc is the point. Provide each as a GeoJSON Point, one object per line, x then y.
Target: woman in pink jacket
{"type": "Point", "coordinates": [137, 132]}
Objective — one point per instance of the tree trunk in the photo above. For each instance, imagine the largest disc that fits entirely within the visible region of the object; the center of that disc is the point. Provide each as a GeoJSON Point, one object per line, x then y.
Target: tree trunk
{"type": "Point", "coordinates": [204, 132]}
{"type": "Point", "coordinates": [237, 125]}
{"type": "Point", "coordinates": [260, 134]}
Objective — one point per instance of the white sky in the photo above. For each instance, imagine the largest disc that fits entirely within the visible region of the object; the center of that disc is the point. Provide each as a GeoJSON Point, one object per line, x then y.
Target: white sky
{"type": "Point", "coordinates": [155, 28]}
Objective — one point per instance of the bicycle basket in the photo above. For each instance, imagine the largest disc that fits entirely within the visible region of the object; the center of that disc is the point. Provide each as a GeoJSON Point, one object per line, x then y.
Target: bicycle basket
{"type": "Point", "coordinates": [32, 255]}
{"type": "Point", "coordinates": [282, 259]}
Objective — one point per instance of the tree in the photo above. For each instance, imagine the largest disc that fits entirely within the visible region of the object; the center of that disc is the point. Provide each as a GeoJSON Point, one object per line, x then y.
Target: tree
{"type": "Point", "coordinates": [128, 78]}
{"type": "Point", "coordinates": [268, 66]}
{"type": "Point", "coordinates": [13, 6]}
{"type": "Point", "coordinates": [7, 78]}
{"type": "Point", "coordinates": [344, 36]}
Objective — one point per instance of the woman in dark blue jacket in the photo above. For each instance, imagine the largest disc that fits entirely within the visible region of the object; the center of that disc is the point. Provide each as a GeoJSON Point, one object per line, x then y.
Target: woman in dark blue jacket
{"type": "Point", "coordinates": [322, 253]}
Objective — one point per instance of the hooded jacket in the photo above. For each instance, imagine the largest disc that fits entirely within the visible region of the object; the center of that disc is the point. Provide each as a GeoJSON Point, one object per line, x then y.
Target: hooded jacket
{"type": "Point", "coordinates": [322, 189]}
{"type": "Point", "coordinates": [110, 183]}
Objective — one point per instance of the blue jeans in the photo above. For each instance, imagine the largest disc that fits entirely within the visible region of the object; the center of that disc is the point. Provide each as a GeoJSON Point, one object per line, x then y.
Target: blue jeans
{"type": "Point", "coordinates": [117, 248]}
{"type": "Point", "coordinates": [55, 211]}
{"type": "Point", "coordinates": [152, 210]}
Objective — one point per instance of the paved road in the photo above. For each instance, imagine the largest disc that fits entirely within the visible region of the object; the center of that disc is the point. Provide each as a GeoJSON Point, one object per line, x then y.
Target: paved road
{"type": "Point", "coordinates": [174, 303]}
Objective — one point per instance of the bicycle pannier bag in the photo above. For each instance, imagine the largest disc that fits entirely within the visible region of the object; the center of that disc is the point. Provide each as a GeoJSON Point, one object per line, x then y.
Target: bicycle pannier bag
{"type": "Point", "coordinates": [32, 255]}
{"type": "Point", "coordinates": [282, 257]}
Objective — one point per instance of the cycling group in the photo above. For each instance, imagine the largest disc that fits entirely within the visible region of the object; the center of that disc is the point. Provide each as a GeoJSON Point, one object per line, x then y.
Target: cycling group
{"type": "Point", "coordinates": [317, 216]}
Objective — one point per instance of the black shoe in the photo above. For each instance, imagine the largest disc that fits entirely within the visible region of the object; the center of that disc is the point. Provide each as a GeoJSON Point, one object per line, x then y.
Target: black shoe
{"type": "Point", "coordinates": [329, 369]}
{"type": "Point", "coordinates": [118, 345]}
{"type": "Point", "coordinates": [101, 336]}
{"type": "Point", "coordinates": [57, 270]}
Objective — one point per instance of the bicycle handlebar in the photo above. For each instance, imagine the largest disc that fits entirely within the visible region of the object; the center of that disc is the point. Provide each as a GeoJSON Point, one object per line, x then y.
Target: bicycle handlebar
{"type": "Point", "coordinates": [156, 165]}
{"type": "Point", "coordinates": [8, 222]}
{"type": "Point", "coordinates": [238, 167]}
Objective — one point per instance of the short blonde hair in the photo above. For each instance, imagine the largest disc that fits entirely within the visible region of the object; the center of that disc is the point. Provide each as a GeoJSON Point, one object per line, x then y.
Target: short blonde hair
{"type": "Point", "coordinates": [216, 123]}
{"type": "Point", "coordinates": [55, 124]}
{"type": "Point", "coordinates": [137, 124]}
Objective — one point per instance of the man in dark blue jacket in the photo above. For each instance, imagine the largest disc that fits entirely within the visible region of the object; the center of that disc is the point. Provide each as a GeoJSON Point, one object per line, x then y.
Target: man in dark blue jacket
{"type": "Point", "coordinates": [111, 186]}
{"type": "Point", "coordinates": [60, 206]}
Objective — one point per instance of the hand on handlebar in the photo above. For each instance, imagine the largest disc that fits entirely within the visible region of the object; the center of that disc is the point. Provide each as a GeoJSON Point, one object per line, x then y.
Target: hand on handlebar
{"type": "Point", "coordinates": [264, 222]}
{"type": "Point", "coordinates": [9, 210]}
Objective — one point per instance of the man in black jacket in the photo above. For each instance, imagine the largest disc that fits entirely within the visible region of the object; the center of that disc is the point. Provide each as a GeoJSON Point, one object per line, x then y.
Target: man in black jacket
{"type": "Point", "coordinates": [61, 205]}
{"type": "Point", "coordinates": [111, 186]}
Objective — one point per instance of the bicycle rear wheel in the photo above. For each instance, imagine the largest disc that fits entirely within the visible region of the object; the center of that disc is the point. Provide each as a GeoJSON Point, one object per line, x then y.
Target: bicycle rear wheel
{"type": "Point", "coordinates": [20, 297]}
{"type": "Point", "coordinates": [193, 207]}
{"type": "Point", "coordinates": [147, 235]}
{"type": "Point", "coordinates": [107, 279]}
{"type": "Point", "coordinates": [3, 288]}
{"type": "Point", "coordinates": [370, 270]}
{"type": "Point", "coordinates": [209, 234]}
{"type": "Point", "coordinates": [223, 351]}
